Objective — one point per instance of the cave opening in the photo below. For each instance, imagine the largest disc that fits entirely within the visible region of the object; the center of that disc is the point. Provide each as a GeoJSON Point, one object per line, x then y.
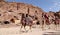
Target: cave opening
{"type": "Point", "coordinates": [12, 20]}
{"type": "Point", "coordinates": [6, 22]}
{"type": "Point", "coordinates": [38, 23]}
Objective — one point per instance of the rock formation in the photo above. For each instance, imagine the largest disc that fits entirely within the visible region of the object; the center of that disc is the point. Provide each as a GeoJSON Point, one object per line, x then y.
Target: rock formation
{"type": "Point", "coordinates": [9, 10]}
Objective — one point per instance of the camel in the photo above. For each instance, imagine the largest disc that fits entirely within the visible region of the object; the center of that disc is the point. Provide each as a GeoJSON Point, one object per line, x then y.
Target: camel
{"type": "Point", "coordinates": [45, 20]}
{"type": "Point", "coordinates": [56, 23]}
{"type": "Point", "coordinates": [26, 21]}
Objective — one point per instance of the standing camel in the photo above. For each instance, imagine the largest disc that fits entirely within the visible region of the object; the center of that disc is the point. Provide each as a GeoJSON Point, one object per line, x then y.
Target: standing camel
{"type": "Point", "coordinates": [56, 23]}
{"type": "Point", "coordinates": [45, 20]}
{"type": "Point", "coordinates": [26, 21]}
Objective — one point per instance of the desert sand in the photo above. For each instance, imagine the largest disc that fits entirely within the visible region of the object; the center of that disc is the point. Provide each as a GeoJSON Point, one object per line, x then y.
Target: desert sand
{"type": "Point", "coordinates": [15, 30]}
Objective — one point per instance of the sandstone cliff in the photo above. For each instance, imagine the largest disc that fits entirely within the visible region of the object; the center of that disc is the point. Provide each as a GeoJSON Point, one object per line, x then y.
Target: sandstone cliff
{"type": "Point", "coordinates": [10, 9]}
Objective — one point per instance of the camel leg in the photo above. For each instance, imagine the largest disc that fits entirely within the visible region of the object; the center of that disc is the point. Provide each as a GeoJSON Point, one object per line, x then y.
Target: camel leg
{"type": "Point", "coordinates": [24, 27]}
{"type": "Point", "coordinates": [21, 28]}
{"type": "Point", "coordinates": [30, 28]}
{"type": "Point", "coordinates": [55, 27]}
{"type": "Point", "coordinates": [42, 27]}
{"type": "Point", "coordinates": [48, 26]}
{"type": "Point", "coordinates": [44, 23]}
{"type": "Point", "coordinates": [58, 25]}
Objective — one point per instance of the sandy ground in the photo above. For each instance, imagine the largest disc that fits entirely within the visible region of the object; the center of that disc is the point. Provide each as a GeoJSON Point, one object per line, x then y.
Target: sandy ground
{"type": "Point", "coordinates": [15, 30]}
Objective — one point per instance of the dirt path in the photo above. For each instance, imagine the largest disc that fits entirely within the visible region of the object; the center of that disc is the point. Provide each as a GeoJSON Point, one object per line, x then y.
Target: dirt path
{"type": "Point", "coordinates": [16, 31]}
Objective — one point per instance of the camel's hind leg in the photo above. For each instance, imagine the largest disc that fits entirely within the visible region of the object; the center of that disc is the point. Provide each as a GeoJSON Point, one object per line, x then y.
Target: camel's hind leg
{"type": "Point", "coordinates": [57, 26]}
{"type": "Point", "coordinates": [24, 29]}
{"type": "Point", "coordinates": [30, 28]}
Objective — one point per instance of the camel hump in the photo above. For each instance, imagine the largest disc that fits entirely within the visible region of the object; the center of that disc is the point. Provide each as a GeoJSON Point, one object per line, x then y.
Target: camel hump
{"type": "Point", "coordinates": [29, 19]}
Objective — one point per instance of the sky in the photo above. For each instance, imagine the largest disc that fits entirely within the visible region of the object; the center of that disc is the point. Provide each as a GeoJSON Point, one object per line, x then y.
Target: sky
{"type": "Point", "coordinates": [46, 5]}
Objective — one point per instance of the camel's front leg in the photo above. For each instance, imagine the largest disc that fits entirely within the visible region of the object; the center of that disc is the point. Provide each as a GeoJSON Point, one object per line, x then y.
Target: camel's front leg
{"type": "Point", "coordinates": [21, 27]}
